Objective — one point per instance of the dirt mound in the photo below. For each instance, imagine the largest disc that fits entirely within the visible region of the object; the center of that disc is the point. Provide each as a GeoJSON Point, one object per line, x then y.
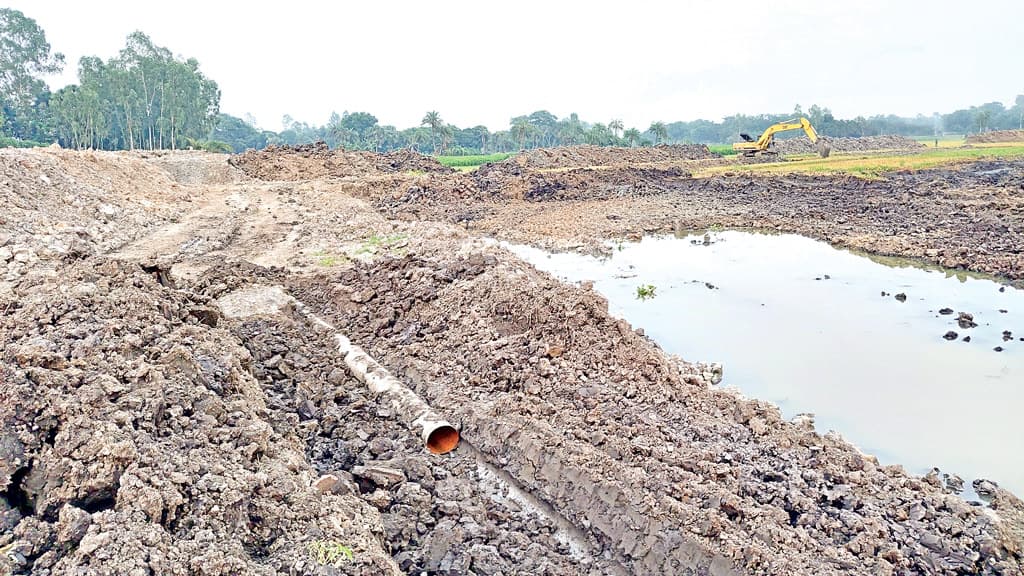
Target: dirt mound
{"type": "Point", "coordinates": [996, 136]}
{"type": "Point", "coordinates": [864, 144]}
{"type": "Point", "coordinates": [194, 168]}
{"type": "Point", "coordinates": [580, 183]}
{"type": "Point", "coordinates": [60, 202]}
{"type": "Point", "coordinates": [310, 161]}
{"type": "Point", "coordinates": [135, 438]}
{"type": "Point", "coordinates": [587, 155]}
{"type": "Point", "coordinates": [639, 436]}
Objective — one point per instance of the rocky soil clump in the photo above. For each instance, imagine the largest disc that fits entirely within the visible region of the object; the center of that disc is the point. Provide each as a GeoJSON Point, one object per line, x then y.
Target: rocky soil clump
{"type": "Point", "coordinates": [800, 145]}
{"type": "Point", "coordinates": [136, 438]}
{"type": "Point", "coordinates": [310, 161]}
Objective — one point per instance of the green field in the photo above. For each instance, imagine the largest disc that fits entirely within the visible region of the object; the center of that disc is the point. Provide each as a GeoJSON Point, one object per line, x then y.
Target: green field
{"type": "Point", "coordinates": [872, 165]}
{"type": "Point", "coordinates": [473, 161]}
{"type": "Point", "coordinates": [723, 149]}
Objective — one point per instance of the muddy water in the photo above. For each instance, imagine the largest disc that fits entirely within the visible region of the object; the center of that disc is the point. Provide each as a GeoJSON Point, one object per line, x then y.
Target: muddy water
{"type": "Point", "coordinates": [806, 326]}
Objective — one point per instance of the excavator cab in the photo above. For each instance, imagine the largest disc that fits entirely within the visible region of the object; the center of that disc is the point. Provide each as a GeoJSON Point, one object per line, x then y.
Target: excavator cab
{"type": "Point", "coordinates": [746, 137]}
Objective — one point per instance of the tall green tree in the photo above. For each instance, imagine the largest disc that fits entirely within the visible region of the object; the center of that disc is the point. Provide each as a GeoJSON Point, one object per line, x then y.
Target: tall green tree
{"type": "Point", "coordinates": [615, 126]}
{"type": "Point", "coordinates": [433, 120]}
{"type": "Point", "coordinates": [659, 131]}
{"type": "Point", "coordinates": [632, 136]}
{"type": "Point", "coordinates": [143, 98]}
{"type": "Point", "coordinates": [25, 56]}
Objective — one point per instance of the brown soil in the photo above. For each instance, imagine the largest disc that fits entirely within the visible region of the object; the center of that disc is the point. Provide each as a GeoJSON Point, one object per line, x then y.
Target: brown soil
{"type": "Point", "coordinates": [148, 426]}
{"type": "Point", "coordinates": [996, 136]}
{"type": "Point", "coordinates": [583, 156]}
{"type": "Point", "coordinates": [310, 161]}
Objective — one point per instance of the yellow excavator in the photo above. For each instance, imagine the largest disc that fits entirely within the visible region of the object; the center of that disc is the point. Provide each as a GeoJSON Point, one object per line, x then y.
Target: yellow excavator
{"type": "Point", "coordinates": [763, 145]}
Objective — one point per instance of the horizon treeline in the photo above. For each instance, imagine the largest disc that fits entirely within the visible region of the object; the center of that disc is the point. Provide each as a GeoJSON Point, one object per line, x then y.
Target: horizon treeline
{"type": "Point", "coordinates": [147, 98]}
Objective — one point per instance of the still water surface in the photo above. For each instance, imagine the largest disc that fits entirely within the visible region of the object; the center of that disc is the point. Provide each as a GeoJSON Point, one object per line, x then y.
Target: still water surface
{"type": "Point", "coordinates": [804, 325]}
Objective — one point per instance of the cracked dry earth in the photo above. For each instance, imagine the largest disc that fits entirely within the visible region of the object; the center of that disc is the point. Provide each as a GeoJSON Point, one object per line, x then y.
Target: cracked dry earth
{"type": "Point", "coordinates": [169, 406]}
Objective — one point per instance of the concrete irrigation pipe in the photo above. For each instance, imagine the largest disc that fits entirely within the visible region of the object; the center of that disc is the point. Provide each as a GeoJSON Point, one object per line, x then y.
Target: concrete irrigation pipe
{"type": "Point", "coordinates": [439, 436]}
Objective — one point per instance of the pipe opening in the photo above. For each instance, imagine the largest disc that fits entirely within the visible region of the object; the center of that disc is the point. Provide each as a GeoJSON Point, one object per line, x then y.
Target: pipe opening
{"type": "Point", "coordinates": [443, 439]}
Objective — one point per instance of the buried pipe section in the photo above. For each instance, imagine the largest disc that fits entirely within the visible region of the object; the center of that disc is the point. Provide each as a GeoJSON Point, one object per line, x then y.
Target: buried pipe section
{"type": "Point", "coordinates": [438, 435]}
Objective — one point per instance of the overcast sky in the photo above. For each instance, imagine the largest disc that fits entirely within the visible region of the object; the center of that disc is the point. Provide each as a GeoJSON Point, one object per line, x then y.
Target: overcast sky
{"type": "Point", "coordinates": [484, 62]}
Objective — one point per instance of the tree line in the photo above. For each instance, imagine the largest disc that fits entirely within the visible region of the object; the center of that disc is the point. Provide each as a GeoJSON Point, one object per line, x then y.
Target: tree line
{"type": "Point", "coordinates": [146, 98]}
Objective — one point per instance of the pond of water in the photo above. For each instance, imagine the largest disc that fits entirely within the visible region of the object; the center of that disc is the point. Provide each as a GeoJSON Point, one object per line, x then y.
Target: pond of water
{"type": "Point", "coordinates": [806, 326]}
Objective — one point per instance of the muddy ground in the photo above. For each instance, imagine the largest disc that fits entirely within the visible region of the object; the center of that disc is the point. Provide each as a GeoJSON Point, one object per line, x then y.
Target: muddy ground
{"type": "Point", "coordinates": [149, 427]}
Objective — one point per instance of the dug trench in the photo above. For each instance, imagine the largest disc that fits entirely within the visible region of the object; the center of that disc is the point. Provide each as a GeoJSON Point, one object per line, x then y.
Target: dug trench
{"type": "Point", "coordinates": [148, 427]}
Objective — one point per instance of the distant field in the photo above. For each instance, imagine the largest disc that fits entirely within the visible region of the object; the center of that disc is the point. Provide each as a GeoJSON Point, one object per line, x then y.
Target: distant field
{"type": "Point", "coordinates": [873, 164]}
{"type": "Point", "coordinates": [723, 149]}
{"type": "Point", "coordinates": [945, 141]}
{"type": "Point", "coordinates": [469, 162]}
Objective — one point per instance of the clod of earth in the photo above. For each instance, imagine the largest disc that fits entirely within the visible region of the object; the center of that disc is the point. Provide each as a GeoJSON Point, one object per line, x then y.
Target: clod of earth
{"type": "Point", "coordinates": [966, 320]}
{"type": "Point", "coordinates": [951, 335]}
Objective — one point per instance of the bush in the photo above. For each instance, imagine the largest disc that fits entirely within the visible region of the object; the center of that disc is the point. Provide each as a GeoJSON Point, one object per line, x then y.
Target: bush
{"type": "Point", "coordinates": [8, 142]}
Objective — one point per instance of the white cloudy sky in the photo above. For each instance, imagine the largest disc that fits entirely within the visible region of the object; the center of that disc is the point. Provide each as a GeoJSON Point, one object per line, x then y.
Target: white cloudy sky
{"type": "Point", "coordinates": [484, 62]}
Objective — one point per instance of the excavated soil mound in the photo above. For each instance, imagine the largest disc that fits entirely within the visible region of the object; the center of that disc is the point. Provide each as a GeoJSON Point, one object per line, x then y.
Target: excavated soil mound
{"type": "Point", "coordinates": [864, 144]}
{"type": "Point", "coordinates": [587, 155]}
{"type": "Point", "coordinates": [58, 203]}
{"type": "Point", "coordinates": [195, 168]}
{"type": "Point", "coordinates": [135, 438]}
{"type": "Point", "coordinates": [997, 136]}
{"type": "Point", "coordinates": [309, 161]}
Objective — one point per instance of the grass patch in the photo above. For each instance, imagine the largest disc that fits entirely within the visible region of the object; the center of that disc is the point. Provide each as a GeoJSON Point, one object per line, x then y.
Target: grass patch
{"type": "Point", "coordinates": [722, 149]}
{"type": "Point", "coordinates": [873, 165]}
{"type": "Point", "coordinates": [377, 243]}
{"type": "Point", "coordinates": [472, 161]}
{"type": "Point", "coordinates": [328, 259]}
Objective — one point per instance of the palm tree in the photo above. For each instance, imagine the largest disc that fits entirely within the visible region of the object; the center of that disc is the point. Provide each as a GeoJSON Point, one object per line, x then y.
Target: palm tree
{"type": "Point", "coordinates": [632, 136]}
{"type": "Point", "coordinates": [433, 119]}
{"type": "Point", "coordinates": [659, 130]}
{"type": "Point", "coordinates": [615, 126]}
{"type": "Point", "coordinates": [446, 131]}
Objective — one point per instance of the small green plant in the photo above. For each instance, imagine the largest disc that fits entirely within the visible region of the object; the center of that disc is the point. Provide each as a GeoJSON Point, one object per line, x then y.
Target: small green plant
{"type": "Point", "coordinates": [329, 553]}
{"type": "Point", "coordinates": [375, 242]}
{"type": "Point", "coordinates": [645, 292]}
{"type": "Point", "coordinates": [327, 259]}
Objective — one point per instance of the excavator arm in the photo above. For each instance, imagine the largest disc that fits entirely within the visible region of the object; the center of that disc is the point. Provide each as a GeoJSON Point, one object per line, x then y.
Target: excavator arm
{"type": "Point", "coordinates": [762, 144]}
